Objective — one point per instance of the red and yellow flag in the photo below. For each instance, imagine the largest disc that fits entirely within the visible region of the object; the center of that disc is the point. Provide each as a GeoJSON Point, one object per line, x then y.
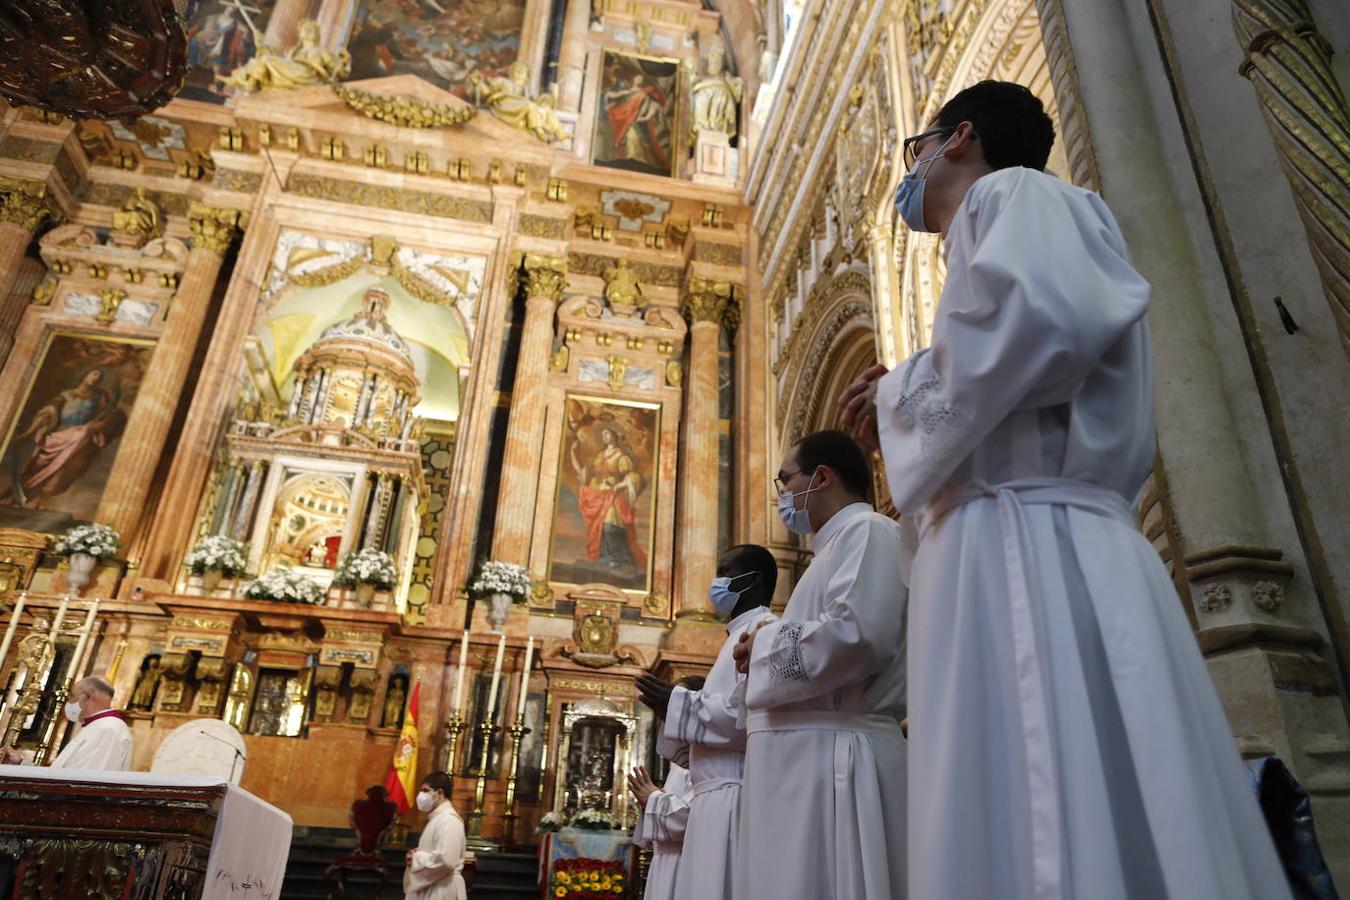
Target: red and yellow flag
{"type": "Point", "coordinates": [402, 781]}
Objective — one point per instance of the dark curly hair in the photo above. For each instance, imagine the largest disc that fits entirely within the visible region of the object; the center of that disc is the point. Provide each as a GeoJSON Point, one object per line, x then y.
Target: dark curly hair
{"type": "Point", "coordinates": [1009, 121]}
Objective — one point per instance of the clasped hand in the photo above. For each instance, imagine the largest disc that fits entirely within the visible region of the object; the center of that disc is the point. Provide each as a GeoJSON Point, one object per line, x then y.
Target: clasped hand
{"type": "Point", "coordinates": [858, 408]}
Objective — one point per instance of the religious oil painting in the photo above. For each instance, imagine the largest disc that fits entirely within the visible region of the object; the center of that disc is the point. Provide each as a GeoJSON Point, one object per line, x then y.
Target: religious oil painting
{"type": "Point", "coordinates": [635, 124]}
{"type": "Point", "coordinates": [61, 447]}
{"type": "Point", "coordinates": [442, 41]}
{"type": "Point", "coordinates": [602, 519]}
{"type": "Point", "coordinates": [221, 38]}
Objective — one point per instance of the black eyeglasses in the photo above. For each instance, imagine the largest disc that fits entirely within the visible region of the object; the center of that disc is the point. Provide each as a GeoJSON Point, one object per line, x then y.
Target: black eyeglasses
{"type": "Point", "coordinates": [782, 478]}
{"type": "Point", "coordinates": [911, 150]}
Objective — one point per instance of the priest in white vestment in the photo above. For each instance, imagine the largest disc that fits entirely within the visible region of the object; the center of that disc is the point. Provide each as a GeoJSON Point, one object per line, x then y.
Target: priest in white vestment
{"type": "Point", "coordinates": [103, 741]}
{"type": "Point", "coordinates": [433, 871]}
{"type": "Point", "coordinates": [1065, 737]}
{"type": "Point", "coordinates": [704, 724]}
{"type": "Point", "coordinates": [823, 807]}
{"type": "Point", "coordinates": [662, 819]}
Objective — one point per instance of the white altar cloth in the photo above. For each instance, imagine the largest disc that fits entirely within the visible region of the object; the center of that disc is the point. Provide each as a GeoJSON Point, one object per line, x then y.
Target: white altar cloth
{"type": "Point", "coordinates": [251, 843]}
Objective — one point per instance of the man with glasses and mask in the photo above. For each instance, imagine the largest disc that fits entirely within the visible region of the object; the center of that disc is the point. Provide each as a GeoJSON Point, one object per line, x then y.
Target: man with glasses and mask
{"type": "Point", "coordinates": [823, 807]}
{"type": "Point", "coordinates": [103, 741]}
{"type": "Point", "coordinates": [1065, 737]}
{"type": "Point", "coordinates": [703, 726]}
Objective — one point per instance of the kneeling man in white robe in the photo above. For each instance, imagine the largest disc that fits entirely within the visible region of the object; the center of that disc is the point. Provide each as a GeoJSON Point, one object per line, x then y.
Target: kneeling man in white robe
{"type": "Point", "coordinates": [662, 818]}
{"type": "Point", "coordinates": [433, 871]}
{"type": "Point", "coordinates": [1065, 737]}
{"type": "Point", "coordinates": [823, 808]}
{"type": "Point", "coordinates": [705, 724]}
{"type": "Point", "coordinates": [103, 741]}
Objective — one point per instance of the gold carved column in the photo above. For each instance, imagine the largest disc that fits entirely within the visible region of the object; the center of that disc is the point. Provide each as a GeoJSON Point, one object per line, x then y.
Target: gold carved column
{"type": "Point", "coordinates": [21, 215]}
{"type": "Point", "coordinates": [1289, 64]}
{"type": "Point", "coordinates": [134, 470]}
{"type": "Point", "coordinates": [546, 276]}
{"type": "Point", "coordinates": [707, 305]}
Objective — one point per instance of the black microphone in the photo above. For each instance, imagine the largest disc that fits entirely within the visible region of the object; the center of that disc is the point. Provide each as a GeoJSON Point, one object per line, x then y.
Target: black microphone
{"type": "Point", "coordinates": [238, 754]}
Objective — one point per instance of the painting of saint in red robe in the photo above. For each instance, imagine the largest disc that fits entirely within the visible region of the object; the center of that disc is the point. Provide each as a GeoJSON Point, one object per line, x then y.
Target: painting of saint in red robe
{"type": "Point", "coordinates": [62, 446]}
{"type": "Point", "coordinates": [637, 109]}
{"type": "Point", "coordinates": [602, 530]}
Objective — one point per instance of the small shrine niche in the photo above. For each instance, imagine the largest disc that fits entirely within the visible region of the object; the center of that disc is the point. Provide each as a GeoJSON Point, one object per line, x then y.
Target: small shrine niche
{"type": "Point", "coordinates": [340, 469]}
{"type": "Point", "coordinates": [596, 752]}
{"type": "Point", "coordinates": [395, 701]}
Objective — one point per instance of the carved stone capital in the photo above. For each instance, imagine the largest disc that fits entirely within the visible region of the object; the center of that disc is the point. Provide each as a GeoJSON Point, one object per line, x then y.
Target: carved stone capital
{"type": "Point", "coordinates": [213, 228]}
{"type": "Point", "coordinates": [546, 276]}
{"type": "Point", "coordinates": [706, 300]}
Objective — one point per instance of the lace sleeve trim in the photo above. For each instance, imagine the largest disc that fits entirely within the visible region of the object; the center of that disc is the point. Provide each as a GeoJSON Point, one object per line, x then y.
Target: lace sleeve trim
{"type": "Point", "coordinates": [785, 657]}
{"type": "Point", "coordinates": [922, 406]}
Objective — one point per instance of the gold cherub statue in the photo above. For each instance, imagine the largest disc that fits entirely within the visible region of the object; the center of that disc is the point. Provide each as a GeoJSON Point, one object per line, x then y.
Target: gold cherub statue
{"type": "Point", "coordinates": [715, 98]}
{"type": "Point", "coordinates": [622, 291]}
{"type": "Point", "coordinates": [508, 99]}
{"type": "Point", "coordinates": [304, 65]}
{"type": "Point", "coordinates": [138, 218]}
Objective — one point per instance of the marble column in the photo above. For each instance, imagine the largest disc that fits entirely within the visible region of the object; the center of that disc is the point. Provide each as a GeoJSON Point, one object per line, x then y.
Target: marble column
{"type": "Point", "coordinates": [572, 54]}
{"type": "Point", "coordinates": [281, 25]}
{"type": "Point", "coordinates": [706, 305]}
{"type": "Point", "coordinates": [133, 472]}
{"type": "Point", "coordinates": [21, 215]}
{"type": "Point", "coordinates": [545, 278]}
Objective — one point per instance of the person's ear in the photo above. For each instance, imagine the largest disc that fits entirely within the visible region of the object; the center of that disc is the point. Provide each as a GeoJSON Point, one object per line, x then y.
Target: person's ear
{"type": "Point", "coordinates": [963, 142]}
{"type": "Point", "coordinates": [825, 477]}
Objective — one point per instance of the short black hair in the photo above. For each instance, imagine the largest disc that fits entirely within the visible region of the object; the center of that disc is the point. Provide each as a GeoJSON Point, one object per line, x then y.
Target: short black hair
{"type": "Point", "coordinates": [840, 452]}
{"type": "Point", "coordinates": [438, 781]}
{"type": "Point", "coordinates": [1009, 120]}
{"type": "Point", "coordinates": [759, 560]}
{"type": "Point", "coordinates": [693, 682]}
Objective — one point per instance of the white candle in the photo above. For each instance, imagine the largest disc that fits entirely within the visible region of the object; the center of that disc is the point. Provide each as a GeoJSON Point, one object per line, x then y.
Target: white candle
{"type": "Point", "coordinates": [13, 626]}
{"type": "Point", "coordinates": [56, 623]}
{"type": "Point", "coordinates": [496, 679]}
{"type": "Point", "coordinates": [458, 704]}
{"type": "Point", "coordinates": [78, 661]}
{"type": "Point", "coordinates": [525, 678]}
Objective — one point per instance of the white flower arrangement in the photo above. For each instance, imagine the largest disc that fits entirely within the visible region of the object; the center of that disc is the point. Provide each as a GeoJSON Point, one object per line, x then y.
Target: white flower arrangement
{"type": "Point", "coordinates": [551, 821]}
{"type": "Point", "coordinates": [93, 539]}
{"type": "Point", "coordinates": [502, 578]}
{"type": "Point", "coordinates": [595, 820]}
{"type": "Point", "coordinates": [216, 553]}
{"type": "Point", "coordinates": [368, 566]}
{"type": "Point", "coordinates": [286, 586]}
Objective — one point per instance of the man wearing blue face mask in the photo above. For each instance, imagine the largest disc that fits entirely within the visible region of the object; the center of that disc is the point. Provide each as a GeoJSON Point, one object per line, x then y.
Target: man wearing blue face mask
{"type": "Point", "coordinates": [823, 807]}
{"type": "Point", "coordinates": [705, 726]}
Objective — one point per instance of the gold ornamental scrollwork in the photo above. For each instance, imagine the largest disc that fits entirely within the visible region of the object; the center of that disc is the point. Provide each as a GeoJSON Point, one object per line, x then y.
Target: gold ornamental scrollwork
{"type": "Point", "coordinates": [1288, 62]}
{"type": "Point", "coordinates": [546, 276]}
{"type": "Point", "coordinates": [213, 228]}
{"type": "Point", "coordinates": [405, 112]}
{"type": "Point", "coordinates": [23, 203]}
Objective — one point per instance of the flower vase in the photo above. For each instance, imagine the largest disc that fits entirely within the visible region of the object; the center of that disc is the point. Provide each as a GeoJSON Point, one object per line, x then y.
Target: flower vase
{"type": "Point", "coordinates": [498, 611]}
{"type": "Point", "coordinates": [211, 580]}
{"type": "Point", "coordinates": [81, 567]}
{"type": "Point", "coordinates": [365, 592]}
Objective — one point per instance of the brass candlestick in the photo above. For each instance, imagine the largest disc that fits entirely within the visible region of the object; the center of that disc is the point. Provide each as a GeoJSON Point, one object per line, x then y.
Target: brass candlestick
{"type": "Point", "coordinates": [518, 732]}
{"type": "Point", "coordinates": [49, 730]}
{"type": "Point", "coordinates": [480, 791]}
{"type": "Point", "coordinates": [455, 724]}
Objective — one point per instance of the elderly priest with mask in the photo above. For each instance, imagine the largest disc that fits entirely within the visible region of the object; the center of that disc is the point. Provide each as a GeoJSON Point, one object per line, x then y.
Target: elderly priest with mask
{"type": "Point", "coordinates": [103, 740]}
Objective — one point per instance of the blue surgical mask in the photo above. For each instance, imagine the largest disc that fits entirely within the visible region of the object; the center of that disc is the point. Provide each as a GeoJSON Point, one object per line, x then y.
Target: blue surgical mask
{"type": "Point", "coordinates": [724, 599]}
{"type": "Point", "coordinates": [909, 197]}
{"type": "Point", "coordinates": [798, 521]}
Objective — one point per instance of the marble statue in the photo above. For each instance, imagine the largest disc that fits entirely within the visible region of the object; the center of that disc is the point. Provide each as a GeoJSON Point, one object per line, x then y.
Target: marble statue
{"type": "Point", "coordinates": [715, 98]}
{"type": "Point", "coordinates": [509, 100]}
{"type": "Point", "coordinates": [304, 65]}
{"type": "Point", "coordinates": [138, 217]}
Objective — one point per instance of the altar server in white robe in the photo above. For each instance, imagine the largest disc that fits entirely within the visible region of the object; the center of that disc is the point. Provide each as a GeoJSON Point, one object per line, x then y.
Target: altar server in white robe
{"type": "Point", "coordinates": [662, 819]}
{"type": "Point", "coordinates": [705, 724]}
{"type": "Point", "coordinates": [823, 807]}
{"type": "Point", "coordinates": [1065, 737]}
{"type": "Point", "coordinates": [103, 741]}
{"type": "Point", "coordinates": [433, 871]}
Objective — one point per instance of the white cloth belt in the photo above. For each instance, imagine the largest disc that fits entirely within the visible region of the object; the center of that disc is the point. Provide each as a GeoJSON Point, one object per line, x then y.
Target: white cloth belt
{"type": "Point", "coordinates": [819, 720]}
{"type": "Point", "coordinates": [714, 784]}
{"type": "Point", "coordinates": [1013, 497]}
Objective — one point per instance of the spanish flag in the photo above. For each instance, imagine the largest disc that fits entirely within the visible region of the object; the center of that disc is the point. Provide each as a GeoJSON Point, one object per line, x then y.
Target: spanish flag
{"type": "Point", "coordinates": [402, 781]}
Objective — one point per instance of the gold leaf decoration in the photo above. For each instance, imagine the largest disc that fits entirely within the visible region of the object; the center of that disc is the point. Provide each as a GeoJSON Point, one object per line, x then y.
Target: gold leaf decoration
{"type": "Point", "coordinates": [405, 112]}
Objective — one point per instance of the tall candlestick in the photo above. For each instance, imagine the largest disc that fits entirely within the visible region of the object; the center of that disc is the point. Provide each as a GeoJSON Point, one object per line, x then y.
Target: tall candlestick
{"type": "Point", "coordinates": [13, 626]}
{"type": "Point", "coordinates": [458, 704]}
{"type": "Point", "coordinates": [525, 677]}
{"type": "Point", "coordinates": [56, 623]}
{"type": "Point", "coordinates": [116, 660]}
{"type": "Point", "coordinates": [77, 661]}
{"type": "Point", "coordinates": [496, 679]}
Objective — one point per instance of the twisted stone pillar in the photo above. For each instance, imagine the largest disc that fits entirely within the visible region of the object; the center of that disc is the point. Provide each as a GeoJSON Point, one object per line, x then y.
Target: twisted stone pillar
{"type": "Point", "coordinates": [545, 278]}
{"type": "Point", "coordinates": [133, 472]}
{"type": "Point", "coordinates": [1289, 64]}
